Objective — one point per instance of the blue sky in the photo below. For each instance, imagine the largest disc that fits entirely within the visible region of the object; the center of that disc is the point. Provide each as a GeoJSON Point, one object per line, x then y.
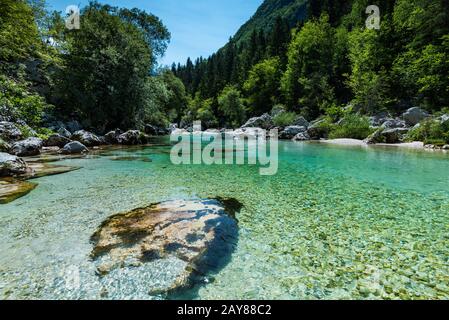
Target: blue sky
{"type": "Point", "coordinates": [198, 27]}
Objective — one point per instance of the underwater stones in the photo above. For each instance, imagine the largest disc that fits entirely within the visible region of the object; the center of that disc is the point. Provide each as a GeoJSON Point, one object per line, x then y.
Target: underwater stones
{"type": "Point", "coordinates": [28, 147]}
{"type": "Point", "coordinates": [12, 189]}
{"type": "Point", "coordinates": [11, 165]}
{"type": "Point", "coordinates": [56, 140]}
{"type": "Point", "coordinates": [86, 138]}
{"type": "Point", "coordinates": [38, 170]}
{"type": "Point", "coordinates": [197, 234]}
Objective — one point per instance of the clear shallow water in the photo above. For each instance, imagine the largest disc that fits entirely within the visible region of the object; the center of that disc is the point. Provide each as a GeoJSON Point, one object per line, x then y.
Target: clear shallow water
{"type": "Point", "coordinates": [335, 222]}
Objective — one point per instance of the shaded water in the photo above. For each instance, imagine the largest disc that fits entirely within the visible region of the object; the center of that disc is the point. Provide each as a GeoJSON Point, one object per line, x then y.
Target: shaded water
{"type": "Point", "coordinates": [335, 222]}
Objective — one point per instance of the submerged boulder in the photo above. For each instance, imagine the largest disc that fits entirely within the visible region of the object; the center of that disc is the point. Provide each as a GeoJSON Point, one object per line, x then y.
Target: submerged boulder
{"type": "Point", "coordinates": [177, 238]}
{"type": "Point", "coordinates": [11, 165]}
{"type": "Point", "coordinates": [87, 138]}
{"type": "Point", "coordinates": [74, 147]}
{"type": "Point", "coordinates": [9, 131]}
{"type": "Point", "coordinates": [415, 115]}
{"type": "Point", "coordinates": [56, 140]}
{"type": "Point", "coordinates": [265, 122]}
{"type": "Point", "coordinates": [12, 189]}
{"type": "Point", "coordinates": [28, 147]}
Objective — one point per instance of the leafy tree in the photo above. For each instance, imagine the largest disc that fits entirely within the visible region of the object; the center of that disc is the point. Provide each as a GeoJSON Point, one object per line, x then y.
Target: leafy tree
{"type": "Point", "coordinates": [262, 86]}
{"type": "Point", "coordinates": [19, 37]}
{"type": "Point", "coordinates": [230, 103]}
{"type": "Point", "coordinates": [306, 82]}
{"type": "Point", "coordinates": [106, 67]}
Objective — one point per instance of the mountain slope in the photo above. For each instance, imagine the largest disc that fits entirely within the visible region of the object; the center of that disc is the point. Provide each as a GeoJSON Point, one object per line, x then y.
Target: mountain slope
{"type": "Point", "coordinates": [291, 10]}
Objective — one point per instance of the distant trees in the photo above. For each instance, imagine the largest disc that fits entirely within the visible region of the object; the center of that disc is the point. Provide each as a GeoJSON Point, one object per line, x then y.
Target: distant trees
{"type": "Point", "coordinates": [231, 104]}
{"type": "Point", "coordinates": [306, 82]}
{"type": "Point", "coordinates": [262, 86]}
{"type": "Point", "coordinates": [331, 60]}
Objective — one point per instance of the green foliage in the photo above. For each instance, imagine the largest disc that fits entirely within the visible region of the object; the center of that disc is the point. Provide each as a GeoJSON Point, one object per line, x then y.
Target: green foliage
{"type": "Point", "coordinates": [107, 66]}
{"type": "Point", "coordinates": [352, 126]}
{"type": "Point", "coordinates": [18, 103]}
{"type": "Point", "coordinates": [44, 133]}
{"type": "Point", "coordinates": [18, 31]}
{"type": "Point", "coordinates": [306, 82]}
{"type": "Point", "coordinates": [284, 119]}
{"type": "Point", "coordinates": [430, 130]}
{"type": "Point", "coordinates": [200, 110]}
{"type": "Point", "coordinates": [230, 103]}
{"type": "Point", "coordinates": [262, 86]}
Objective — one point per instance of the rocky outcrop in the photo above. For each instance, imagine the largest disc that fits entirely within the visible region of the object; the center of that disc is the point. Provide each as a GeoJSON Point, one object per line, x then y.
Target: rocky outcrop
{"type": "Point", "coordinates": [28, 147]}
{"type": "Point", "coordinates": [265, 122]}
{"type": "Point", "coordinates": [9, 131]}
{"type": "Point", "coordinates": [87, 138]}
{"type": "Point", "coordinates": [379, 119]}
{"type": "Point", "coordinates": [65, 133]}
{"type": "Point", "coordinates": [395, 135]}
{"type": "Point", "coordinates": [11, 165]}
{"type": "Point", "coordinates": [415, 115]}
{"type": "Point", "coordinates": [132, 137]}
{"type": "Point", "coordinates": [156, 131]}
{"type": "Point", "coordinates": [4, 146]}
{"type": "Point", "coordinates": [393, 124]}
{"type": "Point", "coordinates": [56, 140]}
{"type": "Point", "coordinates": [291, 131]}
{"type": "Point", "coordinates": [73, 126]}
{"type": "Point", "coordinates": [302, 136]}
{"type": "Point", "coordinates": [112, 136]}
{"type": "Point", "coordinates": [301, 122]}
{"type": "Point", "coordinates": [74, 147]}
{"type": "Point", "coordinates": [190, 236]}
{"type": "Point", "coordinates": [316, 131]}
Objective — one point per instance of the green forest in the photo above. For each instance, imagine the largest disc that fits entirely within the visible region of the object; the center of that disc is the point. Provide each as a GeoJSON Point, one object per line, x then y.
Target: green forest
{"type": "Point", "coordinates": [314, 59]}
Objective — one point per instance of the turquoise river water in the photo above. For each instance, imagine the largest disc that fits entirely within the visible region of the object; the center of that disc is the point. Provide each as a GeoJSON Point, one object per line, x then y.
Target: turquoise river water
{"type": "Point", "coordinates": [333, 223]}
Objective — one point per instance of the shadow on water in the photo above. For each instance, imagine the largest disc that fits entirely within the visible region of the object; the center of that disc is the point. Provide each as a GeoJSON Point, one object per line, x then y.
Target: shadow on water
{"type": "Point", "coordinates": [218, 255]}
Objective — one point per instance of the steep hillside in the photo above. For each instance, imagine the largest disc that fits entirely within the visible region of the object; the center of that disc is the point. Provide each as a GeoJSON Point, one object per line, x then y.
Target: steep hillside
{"type": "Point", "coordinates": [264, 18]}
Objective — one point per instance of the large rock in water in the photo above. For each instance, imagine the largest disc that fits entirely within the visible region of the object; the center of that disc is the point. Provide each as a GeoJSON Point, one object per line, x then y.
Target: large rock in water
{"type": "Point", "coordinates": [11, 165]}
{"type": "Point", "coordinates": [56, 140]}
{"type": "Point", "coordinates": [28, 147]}
{"type": "Point", "coordinates": [170, 243]}
{"type": "Point", "coordinates": [87, 138]}
{"type": "Point", "coordinates": [291, 132]}
{"type": "Point", "coordinates": [132, 137]}
{"type": "Point", "coordinates": [414, 115]}
{"type": "Point", "coordinates": [112, 136]}
{"type": "Point", "coordinates": [9, 131]}
{"type": "Point", "coordinates": [265, 122]}
{"type": "Point", "coordinates": [74, 147]}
